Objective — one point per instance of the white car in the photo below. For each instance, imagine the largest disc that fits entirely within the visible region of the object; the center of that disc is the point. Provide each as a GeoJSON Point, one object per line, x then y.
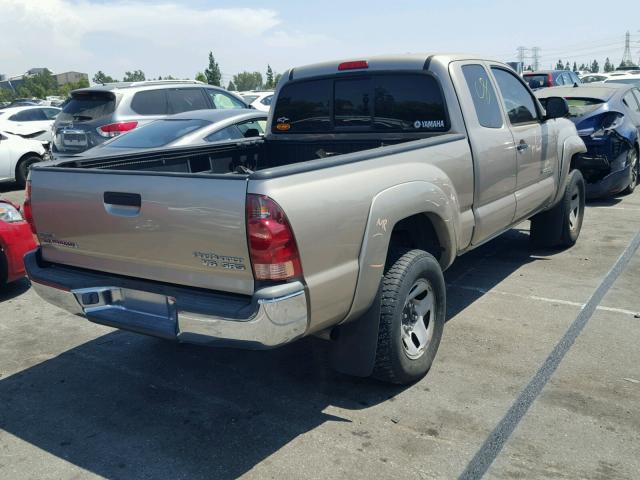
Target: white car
{"type": "Point", "coordinates": [260, 100]}
{"type": "Point", "coordinates": [17, 154]}
{"type": "Point", "coordinates": [631, 79]}
{"type": "Point", "coordinates": [29, 122]}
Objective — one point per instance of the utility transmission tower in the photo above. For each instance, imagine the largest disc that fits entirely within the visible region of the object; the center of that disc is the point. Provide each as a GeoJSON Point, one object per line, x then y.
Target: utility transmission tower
{"type": "Point", "coordinates": [626, 57]}
{"type": "Point", "coordinates": [521, 55]}
{"type": "Point", "coordinates": [535, 53]}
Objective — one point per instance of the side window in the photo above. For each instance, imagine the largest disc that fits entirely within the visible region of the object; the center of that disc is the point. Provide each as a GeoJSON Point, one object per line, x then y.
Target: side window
{"type": "Point", "coordinates": [224, 101]}
{"type": "Point", "coordinates": [518, 102]}
{"type": "Point", "coordinates": [567, 78]}
{"type": "Point", "coordinates": [631, 102]}
{"type": "Point", "coordinates": [267, 100]}
{"type": "Point", "coordinates": [31, 115]}
{"type": "Point", "coordinates": [250, 126]}
{"type": "Point", "coordinates": [559, 79]}
{"type": "Point", "coordinates": [50, 113]}
{"type": "Point", "coordinates": [150, 102]}
{"type": "Point", "coordinates": [186, 99]}
{"type": "Point", "coordinates": [636, 93]}
{"type": "Point", "coordinates": [229, 133]}
{"type": "Point", "coordinates": [484, 96]}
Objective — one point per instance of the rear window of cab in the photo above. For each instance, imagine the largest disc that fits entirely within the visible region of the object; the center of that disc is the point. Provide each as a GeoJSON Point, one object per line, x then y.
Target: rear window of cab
{"type": "Point", "coordinates": [406, 103]}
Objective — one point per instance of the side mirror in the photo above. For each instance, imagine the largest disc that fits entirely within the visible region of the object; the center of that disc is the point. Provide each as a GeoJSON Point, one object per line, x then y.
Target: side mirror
{"type": "Point", "coordinates": [556, 107]}
{"type": "Point", "coordinates": [251, 132]}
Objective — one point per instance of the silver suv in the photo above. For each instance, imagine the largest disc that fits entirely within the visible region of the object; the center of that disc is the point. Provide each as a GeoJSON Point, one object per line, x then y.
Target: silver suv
{"type": "Point", "coordinates": [98, 113]}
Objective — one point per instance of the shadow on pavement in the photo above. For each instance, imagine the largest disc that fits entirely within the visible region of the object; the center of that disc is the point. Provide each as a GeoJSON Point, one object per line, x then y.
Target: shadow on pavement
{"type": "Point", "coordinates": [14, 289]}
{"type": "Point", "coordinates": [127, 406]}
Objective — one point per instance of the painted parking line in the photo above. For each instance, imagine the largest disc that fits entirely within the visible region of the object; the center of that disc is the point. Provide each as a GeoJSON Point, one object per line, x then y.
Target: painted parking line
{"type": "Point", "coordinates": [555, 301]}
{"type": "Point", "coordinates": [496, 440]}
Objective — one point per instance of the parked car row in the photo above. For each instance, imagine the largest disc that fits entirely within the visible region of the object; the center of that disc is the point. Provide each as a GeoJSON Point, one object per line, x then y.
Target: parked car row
{"type": "Point", "coordinates": [98, 113]}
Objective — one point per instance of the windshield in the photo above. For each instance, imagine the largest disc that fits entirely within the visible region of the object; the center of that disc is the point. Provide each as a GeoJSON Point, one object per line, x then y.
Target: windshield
{"type": "Point", "coordinates": [582, 106]}
{"type": "Point", "coordinates": [537, 81]}
{"type": "Point", "coordinates": [158, 133]}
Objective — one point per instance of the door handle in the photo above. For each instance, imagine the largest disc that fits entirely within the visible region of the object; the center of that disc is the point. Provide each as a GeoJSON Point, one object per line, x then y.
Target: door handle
{"type": "Point", "coordinates": [122, 199]}
{"type": "Point", "coordinates": [522, 146]}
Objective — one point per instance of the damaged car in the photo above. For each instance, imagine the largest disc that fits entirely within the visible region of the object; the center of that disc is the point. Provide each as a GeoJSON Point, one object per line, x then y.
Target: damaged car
{"type": "Point", "coordinates": [607, 117]}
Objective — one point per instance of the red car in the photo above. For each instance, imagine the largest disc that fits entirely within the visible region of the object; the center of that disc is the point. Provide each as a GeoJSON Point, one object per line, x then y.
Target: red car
{"type": "Point", "coordinates": [16, 239]}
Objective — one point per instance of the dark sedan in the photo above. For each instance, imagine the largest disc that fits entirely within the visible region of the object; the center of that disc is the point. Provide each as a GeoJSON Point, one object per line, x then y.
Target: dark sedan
{"type": "Point", "coordinates": [607, 117]}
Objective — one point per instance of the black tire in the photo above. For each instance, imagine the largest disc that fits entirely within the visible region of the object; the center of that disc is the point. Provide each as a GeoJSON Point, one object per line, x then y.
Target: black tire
{"type": "Point", "coordinates": [4, 269]}
{"type": "Point", "coordinates": [393, 362]}
{"type": "Point", "coordinates": [560, 226]}
{"type": "Point", "coordinates": [635, 171]}
{"type": "Point", "coordinates": [22, 168]}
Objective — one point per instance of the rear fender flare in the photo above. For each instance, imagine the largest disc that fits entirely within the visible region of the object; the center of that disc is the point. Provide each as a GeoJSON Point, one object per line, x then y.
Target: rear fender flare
{"type": "Point", "coordinates": [387, 209]}
{"type": "Point", "coordinates": [571, 146]}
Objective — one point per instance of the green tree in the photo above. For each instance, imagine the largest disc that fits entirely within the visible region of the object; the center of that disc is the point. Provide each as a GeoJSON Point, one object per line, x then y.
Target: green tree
{"type": "Point", "coordinates": [559, 65]}
{"type": "Point", "coordinates": [201, 77]}
{"type": "Point", "coordinates": [100, 77]}
{"type": "Point", "coordinates": [248, 81]}
{"type": "Point", "coordinates": [595, 68]}
{"type": "Point", "coordinates": [575, 67]}
{"type": "Point", "coordinates": [277, 78]}
{"type": "Point", "coordinates": [6, 95]}
{"type": "Point", "coordinates": [608, 66]}
{"type": "Point", "coordinates": [39, 85]}
{"type": "Point", "coordinates": [213, 74]}
{"type": "Point", "coordinates": [135, 76]}
{"type": "Point", "coordinates": [67, 88]}
{"type": "Point", "coordinates": [269, 83]}
{"type": "Point", "coordinates": [231, 87]}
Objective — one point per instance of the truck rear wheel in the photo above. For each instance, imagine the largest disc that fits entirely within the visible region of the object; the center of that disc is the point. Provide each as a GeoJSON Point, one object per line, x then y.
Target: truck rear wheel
{"type": "Point", "coordinates": [560, 226]}
{"type": "Point", "coordinates": [412, 316]}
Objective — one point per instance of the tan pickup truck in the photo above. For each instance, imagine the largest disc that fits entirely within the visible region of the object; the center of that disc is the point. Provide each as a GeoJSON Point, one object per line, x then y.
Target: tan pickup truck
{"type": "Point", "coordinates": [373, 176]}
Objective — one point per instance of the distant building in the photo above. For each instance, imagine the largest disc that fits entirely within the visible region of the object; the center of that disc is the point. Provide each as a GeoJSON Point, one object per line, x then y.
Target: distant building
{"type": "Point", "coordinates": [70, 77]}
{"type": "Point", "coordinates": [13, 83]}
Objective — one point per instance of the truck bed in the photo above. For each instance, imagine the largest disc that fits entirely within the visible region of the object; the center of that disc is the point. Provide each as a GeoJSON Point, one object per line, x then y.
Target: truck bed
{"type": "Point", "coordinates": [228, 158]}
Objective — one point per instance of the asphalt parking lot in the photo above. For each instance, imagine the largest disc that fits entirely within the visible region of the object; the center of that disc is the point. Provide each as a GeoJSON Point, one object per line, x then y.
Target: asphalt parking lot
{"type": "Point", "coordinates": [538, 376]}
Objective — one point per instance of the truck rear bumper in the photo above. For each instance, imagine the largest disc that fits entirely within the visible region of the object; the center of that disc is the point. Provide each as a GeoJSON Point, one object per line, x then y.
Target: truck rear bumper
{"type": "Point", "coordinates": [271, 317]}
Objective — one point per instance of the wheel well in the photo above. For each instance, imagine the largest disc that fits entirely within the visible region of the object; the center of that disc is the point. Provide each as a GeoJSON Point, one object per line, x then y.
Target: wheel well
{"type": "Point", "coordinates": [23, 158]}
{"type": "Point", "coordinates": [417, 231]}
{"type": "Point", "coordinates": [574, 159]}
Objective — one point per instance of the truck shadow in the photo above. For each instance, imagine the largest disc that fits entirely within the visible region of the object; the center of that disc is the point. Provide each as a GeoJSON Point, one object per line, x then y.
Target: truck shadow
{"type": "Point", "coordinates": [127, 406]}
{"type": "Point", "coordinates": [477, 272]}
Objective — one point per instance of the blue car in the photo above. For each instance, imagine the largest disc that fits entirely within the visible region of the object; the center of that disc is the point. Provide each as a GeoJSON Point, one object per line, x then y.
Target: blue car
{"type": "Point", "coordinates": [607, 117]}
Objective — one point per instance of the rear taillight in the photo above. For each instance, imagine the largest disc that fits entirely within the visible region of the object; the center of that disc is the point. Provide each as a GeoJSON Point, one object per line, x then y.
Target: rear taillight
{"type": "Point", "coordinates": [115, 129]}
{"type": "Point", "coordinates": [272, 246]}
{"type": "Point", "coordinates": [26, 208]}
{"type": "Point", "coordinates": [550, 80]}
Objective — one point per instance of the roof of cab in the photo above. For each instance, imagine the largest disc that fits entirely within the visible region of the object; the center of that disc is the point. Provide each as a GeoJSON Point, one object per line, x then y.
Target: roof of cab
{"type": "Point", "coordinates": [407, 61]}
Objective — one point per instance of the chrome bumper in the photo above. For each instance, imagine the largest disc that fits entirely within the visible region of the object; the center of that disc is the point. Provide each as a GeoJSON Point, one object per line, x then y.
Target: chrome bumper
{"type": "Point", "coordinates": [277, 315]}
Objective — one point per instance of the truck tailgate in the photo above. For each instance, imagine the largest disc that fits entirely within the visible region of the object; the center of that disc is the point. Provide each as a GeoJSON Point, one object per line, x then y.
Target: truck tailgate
{"type": "Point", "coordinates": [187, 230]}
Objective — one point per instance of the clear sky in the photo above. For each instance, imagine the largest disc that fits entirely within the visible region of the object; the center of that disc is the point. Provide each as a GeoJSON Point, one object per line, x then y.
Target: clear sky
{"type": "Point", "coordinates": [169, 37]}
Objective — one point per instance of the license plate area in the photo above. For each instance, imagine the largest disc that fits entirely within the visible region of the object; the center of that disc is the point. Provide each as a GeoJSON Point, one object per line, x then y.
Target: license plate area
{"type": "Point", "coordinates": [74, 138]}
{"type": "Point", "coordinates": [134, 310]}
